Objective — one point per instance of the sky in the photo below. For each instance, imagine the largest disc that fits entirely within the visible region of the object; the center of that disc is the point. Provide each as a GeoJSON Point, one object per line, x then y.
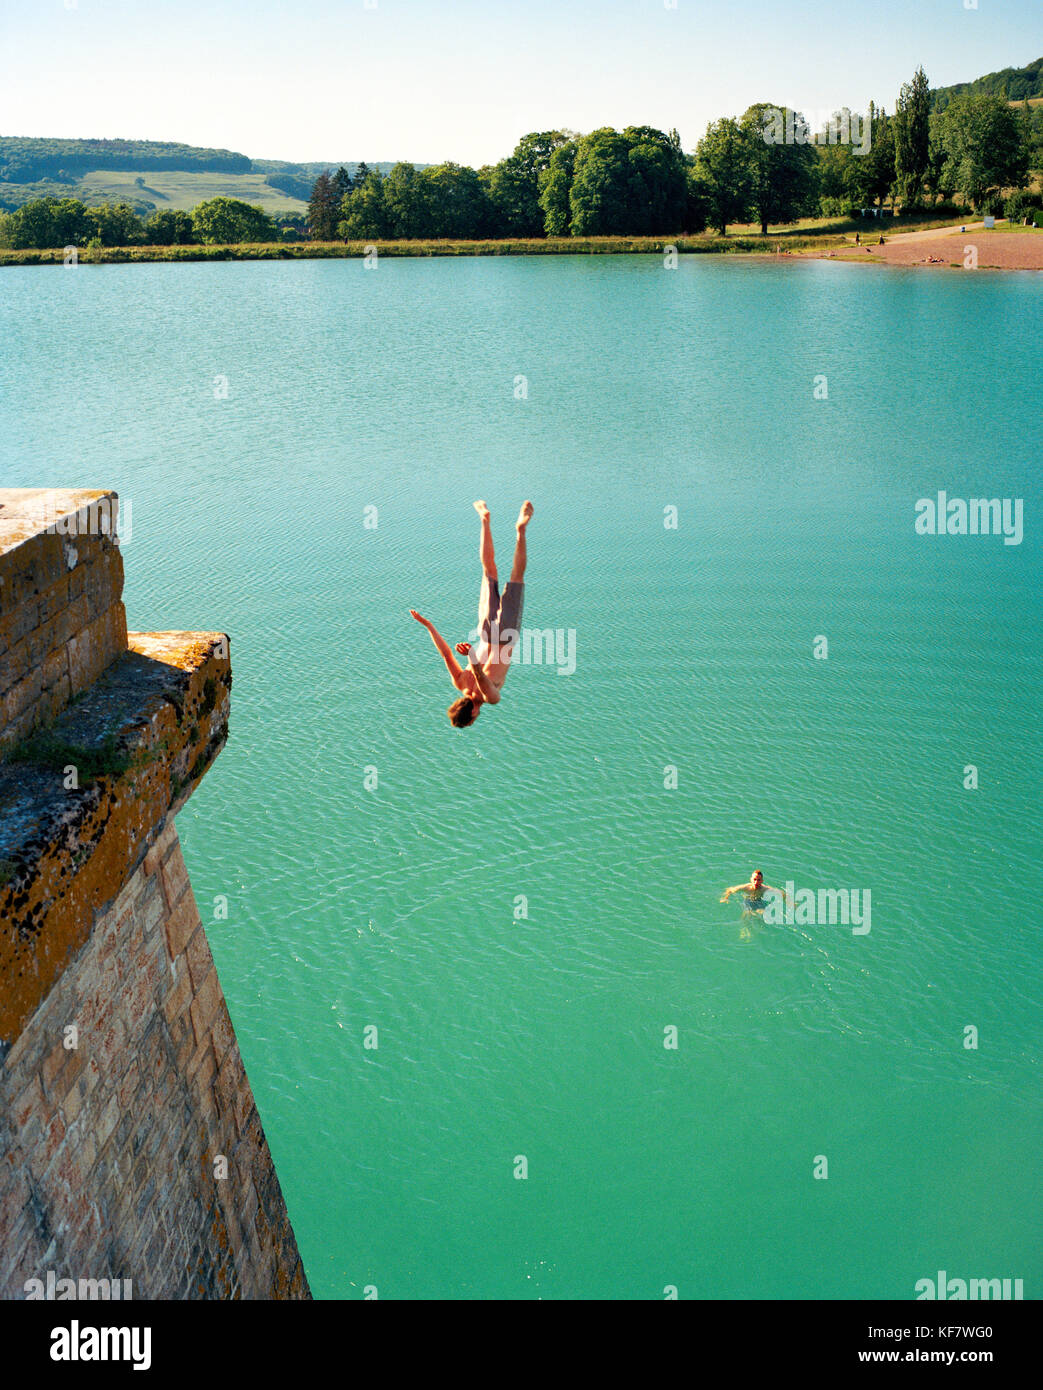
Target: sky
{"type": "Point", "coordinates": [433, 80]}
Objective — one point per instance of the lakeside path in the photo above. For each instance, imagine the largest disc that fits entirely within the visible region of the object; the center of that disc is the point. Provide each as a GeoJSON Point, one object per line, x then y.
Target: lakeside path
{"type": "Point", "coordinates": [945, 248]}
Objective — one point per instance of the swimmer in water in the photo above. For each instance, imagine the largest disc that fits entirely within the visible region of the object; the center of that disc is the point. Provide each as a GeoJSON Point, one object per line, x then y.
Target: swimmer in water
{"type": "Point", "coordinates": [481, 681]}
{"type": "Point", "coordinates": [753, 892]}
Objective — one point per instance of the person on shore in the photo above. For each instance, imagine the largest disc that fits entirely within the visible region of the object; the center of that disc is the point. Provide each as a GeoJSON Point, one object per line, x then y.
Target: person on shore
{"type": "Point", "coordinates": [480, 682]}
{"type": "Point", "coordinates": [753, 892]}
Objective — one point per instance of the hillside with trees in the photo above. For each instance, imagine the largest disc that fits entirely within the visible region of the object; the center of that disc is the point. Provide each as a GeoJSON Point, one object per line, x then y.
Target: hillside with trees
{"type": "Point", "coordinates": [1012, 84]}
{"type": "Point", "coordinates": [26, 160]}
{"type": "Point", "coordinates": [169, 174]}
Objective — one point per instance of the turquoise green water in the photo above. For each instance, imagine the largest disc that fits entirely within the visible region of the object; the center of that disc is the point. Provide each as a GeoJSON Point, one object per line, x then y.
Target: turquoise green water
{"type": "Point", "coordinates": [395, 907]}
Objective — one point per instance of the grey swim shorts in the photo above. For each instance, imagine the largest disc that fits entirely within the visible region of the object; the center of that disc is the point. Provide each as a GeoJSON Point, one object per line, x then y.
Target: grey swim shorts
{"type": "Point", "coordinates": [499, 615]}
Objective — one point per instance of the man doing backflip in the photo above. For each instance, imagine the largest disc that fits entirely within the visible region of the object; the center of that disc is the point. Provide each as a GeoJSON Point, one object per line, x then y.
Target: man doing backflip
{"type": "Point", "coordinates": [480, 682]}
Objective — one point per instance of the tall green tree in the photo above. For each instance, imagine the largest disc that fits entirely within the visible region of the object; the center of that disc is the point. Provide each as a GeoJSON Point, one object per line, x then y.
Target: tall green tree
{"type": "Point", "coordinates": [834, 182]}
{"type": "Point", "coordinates": [938, 174]}
{"type": "Point", "coordinates": [696, 201]}
{"type": "Point", "coordinates": [912, 138]}
{"type": "Point", "coordinates": [881, 158]}
{"type": "Point", "coordinates": [514, 183]}
{"type": "Point", "coordinates": [724, 165]}
{"type": "Point", "coordinates": [323, 209]}
{"type": "Point", "coordinates": [657, 194]}
{"type": "Point", "coordinates": [168, 228]}
{"type": "Point", "coordinates": [555, 188]}
{"type": "Point", "coordinates": [598, 199]}
{"type": "Point", "coordinates": [341, 184]}
{"type": "Point", "coordinates": [459, 201]}
{"type": "Point", "coordinates": [363, 214]}
{"type": "Point", "coordinates": [408, 208]}
{"type": "Point", "coordinates": [783, 172]}
{"type": "Point", "coordinates": [986, 151]}
{"type": "Point", "coordinates": [870, 176]}
{"type": "Point", "coordinates": [628, 184]}
{"type": "Point", "coordinates": [221, 221]}
{"type": "Point", "coordinates": [114, 224]}
{"type": "Point", "coordinates": [1032, 137]}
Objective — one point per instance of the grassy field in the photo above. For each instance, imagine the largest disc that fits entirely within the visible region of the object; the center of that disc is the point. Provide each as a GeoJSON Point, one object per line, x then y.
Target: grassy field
{"type": "Point", "coordinates": [848, 226]}
{"type": "Point", "coordinates": [176, 190]}
{"type": "Point", "coordinates": [1010, 227]}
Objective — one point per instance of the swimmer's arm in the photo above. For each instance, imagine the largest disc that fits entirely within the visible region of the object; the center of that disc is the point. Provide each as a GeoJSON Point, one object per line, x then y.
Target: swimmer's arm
{"type": "Point", "coordinates": [769, 889]}
{"type": "Point", "coordinates": [456, 675]}
{"type": "Point", "coordinates": [739, 887]}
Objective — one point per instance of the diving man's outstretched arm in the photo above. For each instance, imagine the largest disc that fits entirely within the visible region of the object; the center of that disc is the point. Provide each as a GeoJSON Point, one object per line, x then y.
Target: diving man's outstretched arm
{"type": "Point", "coordinates": [456, 675]}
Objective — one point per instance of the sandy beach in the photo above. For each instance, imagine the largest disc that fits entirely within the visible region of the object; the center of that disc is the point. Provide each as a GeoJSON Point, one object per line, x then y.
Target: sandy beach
{"type": "Point", "coordinates": [946, 247]}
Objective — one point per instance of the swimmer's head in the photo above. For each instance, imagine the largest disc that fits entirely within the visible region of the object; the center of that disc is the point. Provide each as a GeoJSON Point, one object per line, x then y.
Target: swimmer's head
{"type": "Point", "coordinates": [463, 712]}
{"type": "Point", "coordinates": [758, 878]}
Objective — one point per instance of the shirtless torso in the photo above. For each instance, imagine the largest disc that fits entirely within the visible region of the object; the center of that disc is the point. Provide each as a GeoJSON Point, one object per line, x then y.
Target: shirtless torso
{"type": "Point", "coordinates": [492, 662]}
{"type": "Point", "coordinates": [753, 892]}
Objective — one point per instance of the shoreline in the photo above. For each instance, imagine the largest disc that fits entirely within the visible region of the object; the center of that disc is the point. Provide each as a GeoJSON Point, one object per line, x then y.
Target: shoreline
{"type": "Point", "coordinates": [352, 250]}
{"type": "Point", "coordinates": [1001, 248]}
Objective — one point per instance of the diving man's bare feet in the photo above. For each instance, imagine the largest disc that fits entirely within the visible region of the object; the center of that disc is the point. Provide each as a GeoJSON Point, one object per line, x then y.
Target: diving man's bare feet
{"type": "Point", "coordinates": [524, 516]}
{"type": "Point", "coordinates": [481, 509]}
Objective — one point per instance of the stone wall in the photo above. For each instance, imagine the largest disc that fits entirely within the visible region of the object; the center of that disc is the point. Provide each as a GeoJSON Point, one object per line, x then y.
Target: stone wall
{"type": "Point", "coordinates": [111, 1147]}
{"type": "Point", "coordinates": [131, 1145]}
{"type": "Point", "coordinates": [61, 616]}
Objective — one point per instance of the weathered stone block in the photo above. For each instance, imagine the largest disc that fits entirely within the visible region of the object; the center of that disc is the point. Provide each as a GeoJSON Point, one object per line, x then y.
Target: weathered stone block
{"type": "Point", "coordinates": [208, 999]}
{"type": "Point", "coordinates": [96, 646]}
{"type": "Point", "coordinates": [181, 924]}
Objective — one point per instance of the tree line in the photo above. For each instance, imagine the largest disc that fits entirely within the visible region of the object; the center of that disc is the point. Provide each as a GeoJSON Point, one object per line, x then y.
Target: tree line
{"type": "Point", "coordinates": [768, 167]}
{"type": "Point", "coordinates": [60, 222]}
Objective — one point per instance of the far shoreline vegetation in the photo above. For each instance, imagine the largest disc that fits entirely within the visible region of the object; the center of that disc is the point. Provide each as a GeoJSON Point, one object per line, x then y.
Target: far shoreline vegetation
{"type": "Point", "coordinates": [768, 176]}
{"type": "Point", "coordinates": [826, 235]}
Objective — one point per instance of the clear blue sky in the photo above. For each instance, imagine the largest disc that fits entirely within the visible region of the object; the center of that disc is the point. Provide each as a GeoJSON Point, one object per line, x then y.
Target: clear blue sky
{"type": "Point", "coordinates": [428, 80]}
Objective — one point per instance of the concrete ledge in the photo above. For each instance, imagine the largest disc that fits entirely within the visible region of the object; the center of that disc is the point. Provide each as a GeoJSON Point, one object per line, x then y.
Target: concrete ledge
{"type": "Point", "coordinates": [82, 801]}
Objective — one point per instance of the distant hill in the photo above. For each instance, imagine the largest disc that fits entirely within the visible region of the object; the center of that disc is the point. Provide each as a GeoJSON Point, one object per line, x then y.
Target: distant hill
{"type": "Point", "coordinates": [28, 159]}
{"type": "Point", "coordinates": [1014, 84]}
{"type": "Point", "coordinates": [153, 174]}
